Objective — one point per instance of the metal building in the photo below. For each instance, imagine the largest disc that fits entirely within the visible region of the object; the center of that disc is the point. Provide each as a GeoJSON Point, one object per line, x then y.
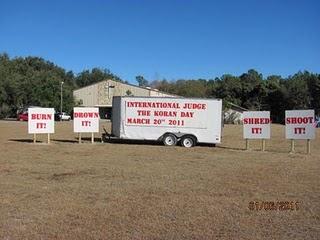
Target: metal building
{"type": "Point", "coordinates": [100, 94]}
{"type": "Point", "coordinates": [233, 114]}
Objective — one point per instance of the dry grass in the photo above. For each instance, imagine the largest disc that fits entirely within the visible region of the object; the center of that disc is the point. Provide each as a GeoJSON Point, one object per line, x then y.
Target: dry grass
{"type": "Point", "coordinates": [128, 191]}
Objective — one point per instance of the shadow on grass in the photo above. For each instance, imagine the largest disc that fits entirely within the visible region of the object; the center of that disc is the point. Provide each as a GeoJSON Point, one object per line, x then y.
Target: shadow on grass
{"type": "Point", "coordinates": [114, 141]}
{"type": "Point", "coordinates": [64, 140]}
{"type": "Point", "coordinates": [131, 142]}
{"type": "Point", "coordinates": [147, 142]}
{"type": "Point", "coordinates": [88, 139]}
{"type": "Point", "coordinates": [24, 140]}
{"type": "Point", "coordinates": [232, 148]}
{"type": "Point", "coordinates": [257, 150]}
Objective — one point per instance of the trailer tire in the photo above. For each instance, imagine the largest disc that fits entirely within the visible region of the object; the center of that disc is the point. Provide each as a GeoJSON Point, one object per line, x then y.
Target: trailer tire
{"type": "Point", "coordinates": [188, 141]}
{"type": "Point", "coordinates": [169, 139]}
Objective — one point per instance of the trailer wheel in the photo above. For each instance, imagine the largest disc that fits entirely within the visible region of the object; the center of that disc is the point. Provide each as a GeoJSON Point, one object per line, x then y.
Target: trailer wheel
{"type": "Point", "coordinates": [188, 141]}
{"type": "Point", "coordinates": [169, 139]}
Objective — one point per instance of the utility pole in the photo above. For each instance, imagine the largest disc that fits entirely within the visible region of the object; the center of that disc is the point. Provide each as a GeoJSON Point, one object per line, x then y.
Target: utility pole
{"type": "Point", "coordinates": [61, 99]}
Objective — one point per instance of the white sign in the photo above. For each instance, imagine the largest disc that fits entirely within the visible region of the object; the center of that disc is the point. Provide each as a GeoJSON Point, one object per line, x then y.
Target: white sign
{"type": "Point", "coordinates": [85, 119]}
{"type": "Point", "coordinates": [300, 124]}
{"type": "Point", "coordinates": [256, 125]}
{"type": "Point", "coordinates": [40, 120]}
{"type": "Point", "coordinates": [160, 113]}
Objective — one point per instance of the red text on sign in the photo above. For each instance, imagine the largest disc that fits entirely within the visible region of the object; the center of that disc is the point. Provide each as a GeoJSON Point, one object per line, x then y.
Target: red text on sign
{"type": "Point", "coordinates": [35, 116]}
{"type": "Point", "coordinates": [256, 120]}
{"type": "Point", "coordinates": [86, 123]}
{"type": "Point", "coordinates": [176, 122]}
{"type": "Point", "coordinates": [143, 113]}
{"type": "Point", "coordinates": [256, 130]}
{"type": "Point", "coordinates": [187, 114]}
{"type": "Point", "coordinates": [143, 121]}
{"type": "Point", "coordinates": [299, 120]}
{"type": "Point", "coordinates": [158, 121]}
{"type": "Point", "coordinates": [152, 105]}
{"type": "Point", "coordinates": [85, 115]}
{"type": "Point", "coordinates": [299, 130]}
{"type": "Point", "coordinates": [165, 114]}
{"type": "Point", "coordinates": [199, 106]}
{"type": "Point", "coordinates": [40, 125]}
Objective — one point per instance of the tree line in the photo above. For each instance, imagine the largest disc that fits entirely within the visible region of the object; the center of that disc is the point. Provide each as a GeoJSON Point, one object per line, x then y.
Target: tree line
{"type": "Point", "coordinates": [252, 91]}
{"type": "Point", "coordinates": [33, 81]}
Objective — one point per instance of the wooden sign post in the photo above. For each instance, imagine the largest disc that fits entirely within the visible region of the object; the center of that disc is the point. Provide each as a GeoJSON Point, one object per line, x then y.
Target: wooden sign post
{"type": "Point", "coordinates": [292, 146]}
{"type": "Point", "coordinates": [263, 147]}
{"type": "Point", "coordinates": [308, 146]}
{"type": "Point", "coordinates": [79, 137]}
{"type": "Point", "coordinates": [247, 144]}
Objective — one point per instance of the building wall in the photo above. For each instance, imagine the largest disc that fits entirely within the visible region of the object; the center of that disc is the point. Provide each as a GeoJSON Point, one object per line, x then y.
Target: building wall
{"type": "Point", "coordinates": [88, 95]}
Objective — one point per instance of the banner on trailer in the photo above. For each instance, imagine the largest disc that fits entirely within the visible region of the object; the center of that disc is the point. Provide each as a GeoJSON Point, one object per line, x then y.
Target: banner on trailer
{"type": "Point", "coordinates": [300, 124]}
{"type": "Point", "coordinates": [85, 119]}
{"type": "Point", "coordinates": [256, 125]}
{"type": "Point", "coordinates": [40, 120]}
{"type": "Point", "coordinates": [184, 113]}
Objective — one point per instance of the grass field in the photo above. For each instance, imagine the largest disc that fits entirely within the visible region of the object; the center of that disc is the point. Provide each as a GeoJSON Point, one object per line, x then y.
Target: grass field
{"type": "Point", "coordinates": [135, 191]}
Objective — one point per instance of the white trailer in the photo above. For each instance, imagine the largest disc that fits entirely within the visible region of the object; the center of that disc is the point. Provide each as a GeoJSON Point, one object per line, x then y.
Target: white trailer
{"type": "Point", "coordinates": [171, 120]}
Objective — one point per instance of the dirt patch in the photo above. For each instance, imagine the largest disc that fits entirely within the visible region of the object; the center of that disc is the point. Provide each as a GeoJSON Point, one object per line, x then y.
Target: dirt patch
{"type": "Point", "coordinates": [66, 175]}
{"type": "Point", "coordinates": [4, 169]}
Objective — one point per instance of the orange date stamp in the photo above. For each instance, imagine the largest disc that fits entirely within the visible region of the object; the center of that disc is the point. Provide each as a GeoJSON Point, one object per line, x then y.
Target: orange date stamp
{"type": "Point", "coordinates": [274, 205]}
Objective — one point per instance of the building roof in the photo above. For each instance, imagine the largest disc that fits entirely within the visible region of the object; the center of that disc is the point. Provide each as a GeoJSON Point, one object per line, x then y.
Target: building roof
{"type": "Point", "coordinates": [237, 107]}
{"type": "Point", "coordinates": [128, 84]}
